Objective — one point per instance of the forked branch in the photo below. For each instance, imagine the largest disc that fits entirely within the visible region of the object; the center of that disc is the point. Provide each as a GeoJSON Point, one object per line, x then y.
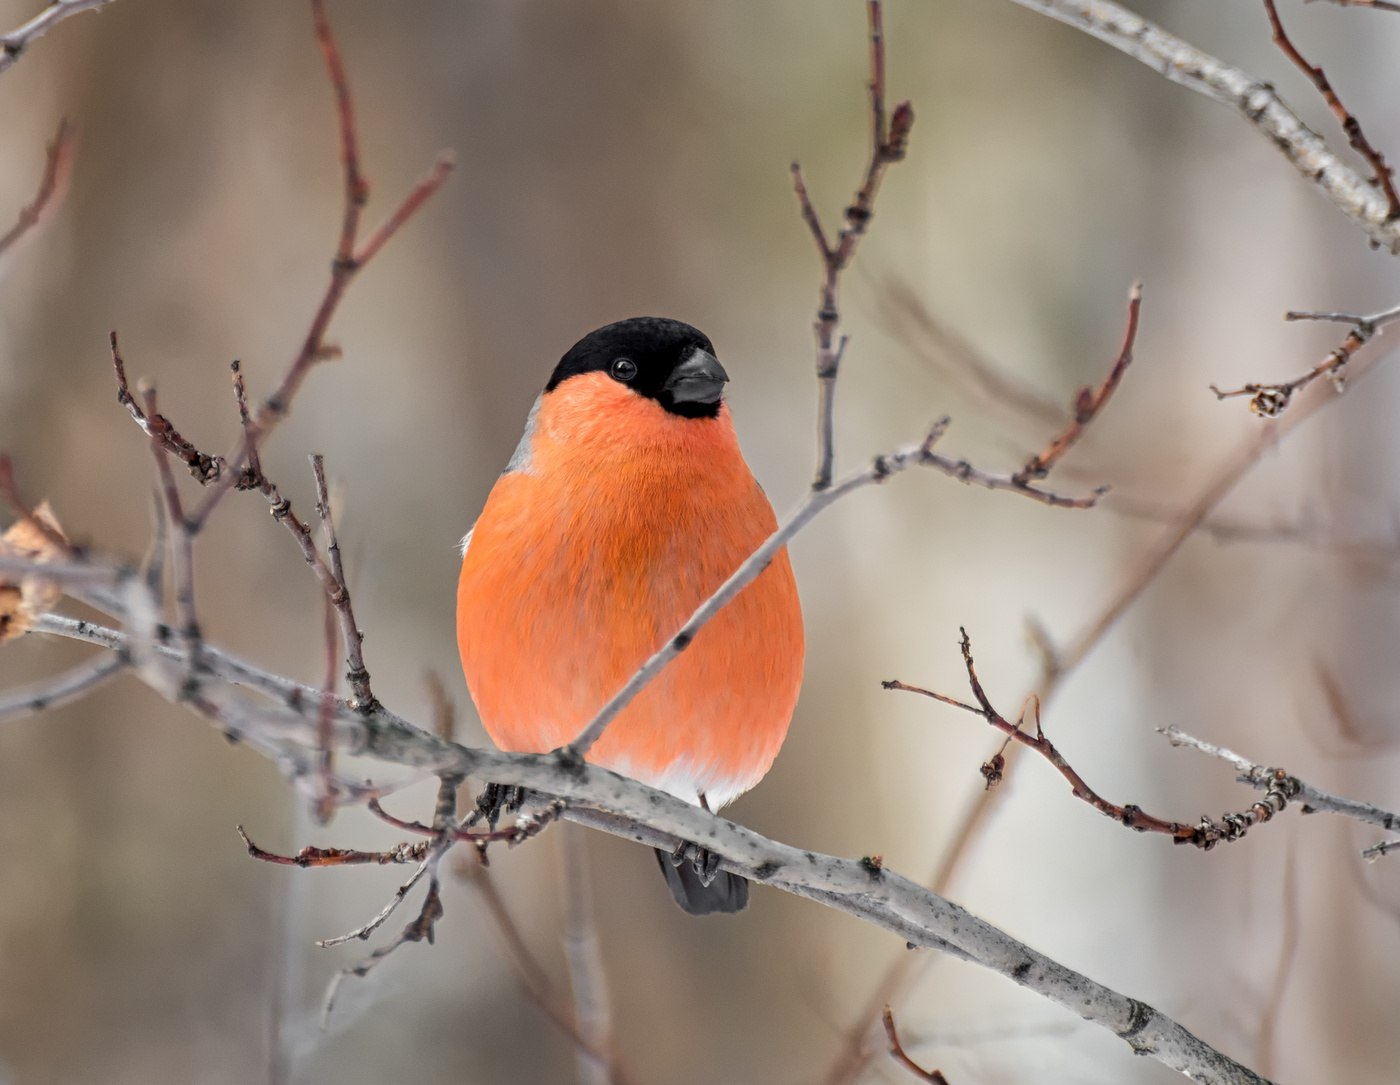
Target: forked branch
{"type": "Point", "coordinates": [1204, 834]}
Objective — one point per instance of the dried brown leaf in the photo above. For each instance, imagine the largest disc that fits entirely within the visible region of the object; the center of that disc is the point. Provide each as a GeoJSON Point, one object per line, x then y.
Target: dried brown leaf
{"type": "Point", "coordinates": [36, 538]}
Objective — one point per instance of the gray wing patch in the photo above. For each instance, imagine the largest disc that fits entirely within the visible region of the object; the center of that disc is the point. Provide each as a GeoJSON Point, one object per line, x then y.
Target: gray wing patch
{"type": "Point", "coordinates": [520, 458]}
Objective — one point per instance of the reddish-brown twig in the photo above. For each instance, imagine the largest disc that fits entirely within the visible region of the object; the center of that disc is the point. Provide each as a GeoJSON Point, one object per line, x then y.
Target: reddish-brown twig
{"type": "Point", "coordinates": [934, 1077]}
{"type": "Point", "coordinates": [1089, 401]}
{"type": "Point", "coordinates": [526, 827]}
{"type": "Point", "coordinates": [348, 261]}
{"type": "Point", "coordinates": [1350, 125]}
{"type": "Point", "coordinates": [1205, 834]}
{"type": "Point", "coordinates": [323, 857]}
{"type": "Point", "coordinates": [202, 466]}
{"type": "Point", "coordinates": [57, 166]}
{"type": "Point", "coordinates": [1270, 400]}
{"type": "Point", "coordinates": [889, 140]}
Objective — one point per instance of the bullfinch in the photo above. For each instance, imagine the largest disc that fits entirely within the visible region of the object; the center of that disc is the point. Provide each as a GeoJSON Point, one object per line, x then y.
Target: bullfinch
{"type": "Point", "coordinates": [625, 505]}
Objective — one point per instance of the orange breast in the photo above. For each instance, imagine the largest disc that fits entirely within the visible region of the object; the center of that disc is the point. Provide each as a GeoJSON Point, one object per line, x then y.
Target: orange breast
{"type": "Point", "coordinates": [621, 521]}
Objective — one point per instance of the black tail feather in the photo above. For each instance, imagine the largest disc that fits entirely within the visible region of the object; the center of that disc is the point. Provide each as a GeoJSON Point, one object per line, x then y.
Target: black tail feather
{"type": "Point", "coordinates": [727, 893]}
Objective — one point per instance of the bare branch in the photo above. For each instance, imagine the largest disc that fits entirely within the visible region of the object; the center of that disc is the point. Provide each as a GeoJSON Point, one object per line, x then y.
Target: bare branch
{"type": "Point", "coordinates": [287, 731]}
{"type": "Point", "coordinates": [348, 261]}
{"type": "Point", "coordinates": [1089, 401]}
{"type": "Point", "coordinates": [181, 544]}
{"type": "Point", "coordinates": [1256, 101]}
{"type": "Point", "coordinates": [1270, 400]}
{"type": "Point", "coordinates": [904, 969]}
{"type": "Point", "coordinates": [881, 469]}
{"type": "Point", "coordinates": [423, 925]}
{"type": "Point", "coordinates": [1350, 125]}
{"type": "Point", "coordinates": [61, 689]}
{"type": "Point", "coordinates": [1261, 777]}
{"type": "Point", "coordinates": [1205, 834]}
{"type": "Point", "coordinates": [888, 144]}
{"type": "Point", "coordinates": [933, 1077]}
{"type": "Point", "coordinates": [202, 466]}
{"type": "Point", "coordinates": [338, 592]}
{"type": "Point", "coordinates": [13, 44]}
{"type": "Point", "coordinates": [57, 165]}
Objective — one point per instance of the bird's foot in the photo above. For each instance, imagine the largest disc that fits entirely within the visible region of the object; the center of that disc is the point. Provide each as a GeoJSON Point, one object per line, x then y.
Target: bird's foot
{"type": "Point", "coordinates": [495, 800]}
{"type": "Point", "coordinates": [705, 863]}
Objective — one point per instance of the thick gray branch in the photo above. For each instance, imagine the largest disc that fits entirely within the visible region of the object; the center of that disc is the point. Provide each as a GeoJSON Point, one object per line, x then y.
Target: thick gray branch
{"type": "Point", "coordinates": [13, 44]}
{"type": "Point", "coordinates": [287, 731]}
{"type": "Point", "coordinates": [1253, 99]}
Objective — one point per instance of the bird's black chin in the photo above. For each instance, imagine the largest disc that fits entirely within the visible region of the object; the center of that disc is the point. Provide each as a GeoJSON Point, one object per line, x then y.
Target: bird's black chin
{"type": "Point", "coordinates": [690, 408]}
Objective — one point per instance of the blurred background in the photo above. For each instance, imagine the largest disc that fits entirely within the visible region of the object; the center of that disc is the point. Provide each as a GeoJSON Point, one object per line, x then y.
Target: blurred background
{"type": "Point", "coordinates": [618, 159]}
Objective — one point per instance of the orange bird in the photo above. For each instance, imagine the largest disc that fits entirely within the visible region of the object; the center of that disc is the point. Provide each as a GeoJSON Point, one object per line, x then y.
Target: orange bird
{"type": "Point", "coordinates": [625, 505]}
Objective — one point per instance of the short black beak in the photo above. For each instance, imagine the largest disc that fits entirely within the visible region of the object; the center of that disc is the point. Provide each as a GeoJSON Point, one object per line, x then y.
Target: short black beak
{"type": "Point", "coordinates": [698, 379]}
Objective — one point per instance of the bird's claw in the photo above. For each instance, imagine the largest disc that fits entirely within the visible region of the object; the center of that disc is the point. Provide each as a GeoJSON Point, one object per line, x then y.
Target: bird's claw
{"type": "Point", "coordinates": [495, 800]}
{"type": "Point", "coordinates": [705, 863]}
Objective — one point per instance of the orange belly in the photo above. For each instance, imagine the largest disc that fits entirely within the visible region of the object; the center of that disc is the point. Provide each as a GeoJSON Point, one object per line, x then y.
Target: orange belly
{"type": "Point", "coordinates": [576, 573]}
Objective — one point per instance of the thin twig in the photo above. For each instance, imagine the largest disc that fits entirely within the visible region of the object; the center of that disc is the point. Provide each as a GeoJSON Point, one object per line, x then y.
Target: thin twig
{"type": "Point", "coordinates": [1262, 777]}
{"type": "Point", "coordinates": [339, 594]}
{"type": "Point", "coordinates": [324, 857]}
{"type": "Point", "coordinates": [933, 1077]}
{"type": "Point", "coordinates": [423, 926]}
{"type": "Point", "coordinates": [58, 163]}
{"type": "Point", "coordinates": [1089, 401]}
{"type": "Point", "coordinates": [1255, 100]}
{"type": "Point", "coordinates": [905, 969]}
{"type": "Point", "coordinates": [286, 731]}
{"type": "Point", "coordinates": [240, 398]}
{"type": "Point", "coordinates": [1205, 834]}
{"type": "Point", "coordinates": [347, 262]}
{"type": "Point", "coordinates": [181, 547]}
{"type": "Point", "coordinates": [881, 469]}
{"type": "Point", "coordinates": [202, 466]}
{"type": "Point", "coordinates": [888, 145]}
{"type": "Point", "coordinates": [13, 44]}
{"type": "Point", "coordinates": [1350, 125]}
{"type": "Point", "coordinates": [324, 805]}
{"type": "Point", "coordinates": [1270, 400]}
{"type": "Point", "coordinates": [61, 689]}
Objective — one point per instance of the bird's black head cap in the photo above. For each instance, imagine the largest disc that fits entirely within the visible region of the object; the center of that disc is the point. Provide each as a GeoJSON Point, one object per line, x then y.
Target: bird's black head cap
{"type": "Point", "coordinates": [665, 360]}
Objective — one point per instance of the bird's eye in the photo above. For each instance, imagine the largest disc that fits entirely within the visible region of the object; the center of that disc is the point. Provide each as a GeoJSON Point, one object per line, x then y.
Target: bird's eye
{"type": "Point", "coordinates": [623, 369]}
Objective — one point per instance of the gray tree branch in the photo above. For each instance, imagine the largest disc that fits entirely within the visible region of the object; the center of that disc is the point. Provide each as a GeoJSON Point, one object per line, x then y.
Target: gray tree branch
{"type": "Point", "coordinates": [281, 719]}
{"type": "Point", "coordinates": [1255, 100]}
